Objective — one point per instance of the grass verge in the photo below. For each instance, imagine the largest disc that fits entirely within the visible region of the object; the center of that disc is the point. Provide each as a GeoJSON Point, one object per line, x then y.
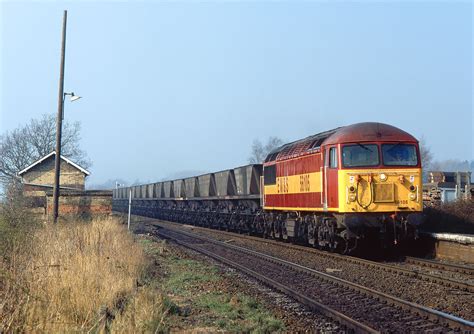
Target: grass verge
{"type": "Point", "coordinates": [195, 297]}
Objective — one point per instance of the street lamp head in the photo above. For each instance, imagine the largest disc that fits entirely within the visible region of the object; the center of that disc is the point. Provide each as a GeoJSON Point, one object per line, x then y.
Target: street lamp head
{"type": "Point", "coordinates": [73, 96]}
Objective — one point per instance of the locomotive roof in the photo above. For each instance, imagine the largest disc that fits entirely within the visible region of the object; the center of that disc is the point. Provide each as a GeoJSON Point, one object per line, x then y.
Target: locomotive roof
{"type": "Point", "coordinates": [369, 131]}
{"type": "Point", "coordinates": [359, 132]}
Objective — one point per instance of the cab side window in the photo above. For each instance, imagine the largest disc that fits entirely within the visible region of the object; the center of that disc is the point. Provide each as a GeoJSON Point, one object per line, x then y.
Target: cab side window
{"type": "Point", "coordinates": [333, 157]}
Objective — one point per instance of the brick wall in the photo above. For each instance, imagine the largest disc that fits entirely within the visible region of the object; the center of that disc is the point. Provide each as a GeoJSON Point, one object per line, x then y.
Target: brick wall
{"type": "Point", "coordinates": [86, 203]}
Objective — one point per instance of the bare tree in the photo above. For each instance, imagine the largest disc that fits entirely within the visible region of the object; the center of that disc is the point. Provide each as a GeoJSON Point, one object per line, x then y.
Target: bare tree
{"type": "Point", "coordinates": [260, 152]}
{"type": "Point", "coordinates": [272, 143]}
{"type": "Point", "coordinates": [425, 151]}
{"type": "Point", "coordinates": [26, 144]}
{"type": "Point", "coordinates": [257, 154]}
{"type": "Point", "coordinates": [426, 158]}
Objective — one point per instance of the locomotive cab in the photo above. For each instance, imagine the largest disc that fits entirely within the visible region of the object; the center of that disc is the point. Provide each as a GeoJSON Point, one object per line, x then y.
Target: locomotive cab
{"type": "Point", "coordinates": [379, 186]}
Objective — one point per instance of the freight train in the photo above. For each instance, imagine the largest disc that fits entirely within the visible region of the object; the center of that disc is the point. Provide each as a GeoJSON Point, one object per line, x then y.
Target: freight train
{"type": "Point", "coordinates": [333, 190]}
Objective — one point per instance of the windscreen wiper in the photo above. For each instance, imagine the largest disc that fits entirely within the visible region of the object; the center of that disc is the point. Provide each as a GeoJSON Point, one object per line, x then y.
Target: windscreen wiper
{"type": "Point", "coordinates": [364, 147]}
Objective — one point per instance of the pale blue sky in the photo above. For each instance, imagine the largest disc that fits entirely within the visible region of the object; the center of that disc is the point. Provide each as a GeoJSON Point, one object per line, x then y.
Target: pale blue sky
{"type": "Point", "coordinates": [189, 85]}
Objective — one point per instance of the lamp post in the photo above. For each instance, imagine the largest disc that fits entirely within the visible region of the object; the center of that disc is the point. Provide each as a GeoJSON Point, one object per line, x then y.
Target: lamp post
{"type": "Point", "coordinates": [57, 165]}
{"type": "Point", "coordinates": [59, 123]}
{"type": "Point", "coordinates": [60, 117]}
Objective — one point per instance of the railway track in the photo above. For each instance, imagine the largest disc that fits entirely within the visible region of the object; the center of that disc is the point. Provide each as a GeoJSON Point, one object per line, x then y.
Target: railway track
{"type": "Point", "coordinates": [356, 307]}
{"type": "Point", "coordinates": [396, 269]}
{"type": "Point", "coordinates": [440, 265]}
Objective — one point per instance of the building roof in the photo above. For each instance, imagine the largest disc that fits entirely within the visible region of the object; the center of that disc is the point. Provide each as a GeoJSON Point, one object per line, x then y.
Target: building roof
{"type": "Point", "coordinates": [48, 156]}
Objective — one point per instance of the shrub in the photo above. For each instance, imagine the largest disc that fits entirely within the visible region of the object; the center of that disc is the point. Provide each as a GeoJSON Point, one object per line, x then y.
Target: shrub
{"type": "Point", "coordinates": [454, 217]}
{"type": "Point", "coordinates": [17, 224]}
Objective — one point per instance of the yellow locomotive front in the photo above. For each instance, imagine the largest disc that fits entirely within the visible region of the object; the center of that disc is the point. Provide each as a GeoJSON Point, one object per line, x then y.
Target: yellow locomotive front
{"type": "Point", "coordinates": [384, 190]}
{"type": "Point", "coordinates": [380, 186]}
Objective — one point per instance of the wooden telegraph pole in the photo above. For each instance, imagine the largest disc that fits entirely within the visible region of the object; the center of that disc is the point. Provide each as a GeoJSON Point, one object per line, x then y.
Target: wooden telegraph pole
{"type": "Point", "coordinates": [57, 163]}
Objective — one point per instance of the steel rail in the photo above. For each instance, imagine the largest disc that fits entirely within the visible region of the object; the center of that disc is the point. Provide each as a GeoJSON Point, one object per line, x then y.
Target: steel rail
{"type": "Point", "coordinates": [437, 316]}
{"type": "Point", "coordinates": [439, 265]}
{"type": "Point", "coordinates": [347, 322]}
{"type": "Point", "coordinates": [368, 263]}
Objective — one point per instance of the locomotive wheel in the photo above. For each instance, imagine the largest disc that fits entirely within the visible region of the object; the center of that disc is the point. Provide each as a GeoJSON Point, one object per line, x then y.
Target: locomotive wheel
{"type": "Point", "coordinates": [284, 231]}
{"type": "Point", "coordinates": [352, 245]}
{"type": "Point", "coordinates": [303, 232]}
{"type": "Point", "coordinates": [276, 230]}
{"type": "Point", "coordinates": [345, 245]}
{"type": "Point", "coordinates": [340, 245]}
{"type": "Point", "coordinates": [268, 230]}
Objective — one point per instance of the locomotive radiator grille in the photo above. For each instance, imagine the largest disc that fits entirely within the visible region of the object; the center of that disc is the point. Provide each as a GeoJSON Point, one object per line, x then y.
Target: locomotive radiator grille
{"type": "Point", "coordinates": [384, 192]}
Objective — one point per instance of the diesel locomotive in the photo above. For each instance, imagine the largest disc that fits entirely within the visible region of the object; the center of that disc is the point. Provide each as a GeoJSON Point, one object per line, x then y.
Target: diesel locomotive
{"type": "Point", "coordinates": [333, 190]}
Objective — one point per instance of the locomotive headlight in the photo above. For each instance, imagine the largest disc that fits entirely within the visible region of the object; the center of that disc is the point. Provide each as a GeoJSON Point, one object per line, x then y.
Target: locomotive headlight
{"type": "Point", "coordinates": [412, 188]}
{"type": "Point", "coordinates": [412, 196]}
{"type": "Point", "coordinates": [383, 177]}
{"type": "Point", "coordinates": [352, 197]}
{"type": "Point", "coordinates": [352, 189]}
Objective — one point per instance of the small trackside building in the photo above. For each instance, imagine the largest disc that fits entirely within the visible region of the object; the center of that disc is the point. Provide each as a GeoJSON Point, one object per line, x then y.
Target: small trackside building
{"type": "Point", "coordinates": [39, 176]}
{"type": "Point", "coordinates": [38, 184]}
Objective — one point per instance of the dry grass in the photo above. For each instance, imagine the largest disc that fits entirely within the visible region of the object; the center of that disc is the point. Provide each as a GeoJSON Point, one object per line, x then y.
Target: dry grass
{"type": "Point", "coordinates": [71, 278]}
{"type": "Point", "coordinates": [145, 313]}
